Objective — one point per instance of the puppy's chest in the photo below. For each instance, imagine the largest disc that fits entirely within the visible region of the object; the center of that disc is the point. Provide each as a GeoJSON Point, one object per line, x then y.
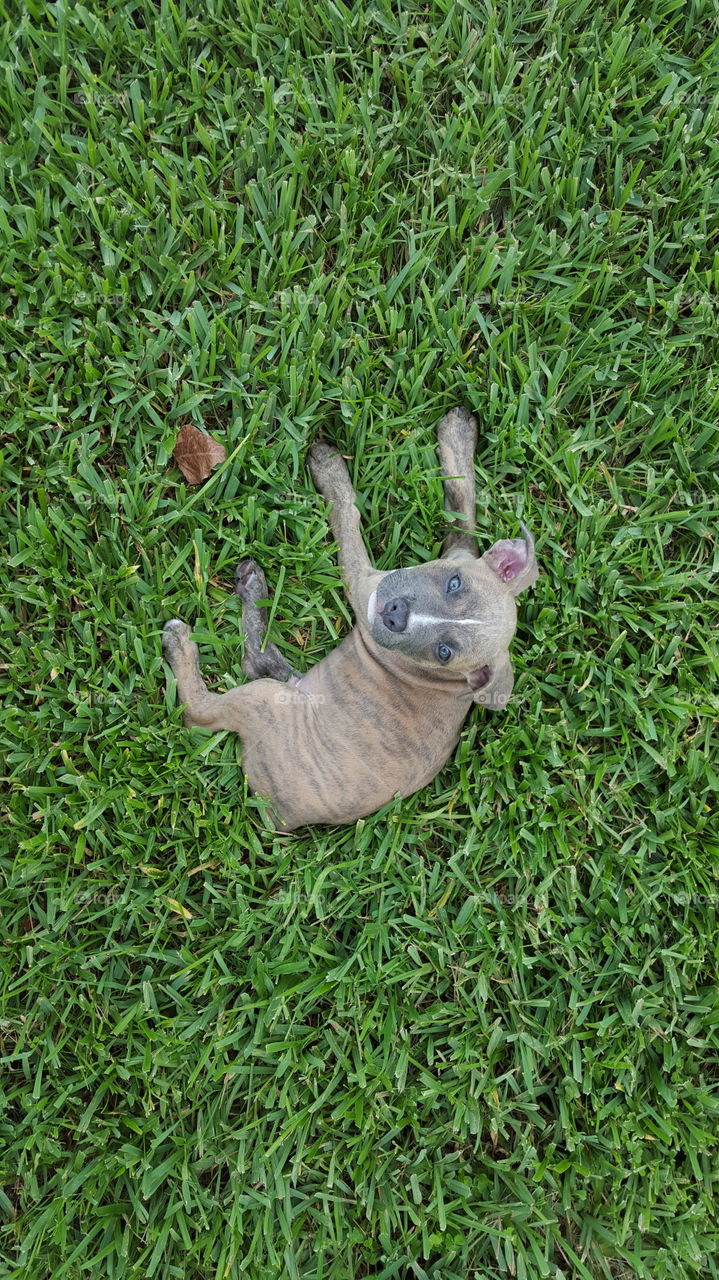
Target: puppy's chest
{"type": "Point", "coordinates": [395, 728]}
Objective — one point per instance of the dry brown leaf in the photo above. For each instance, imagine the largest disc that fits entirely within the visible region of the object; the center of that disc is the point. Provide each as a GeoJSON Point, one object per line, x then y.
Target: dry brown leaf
{"type": "Point", "coordinates": [196, 454]}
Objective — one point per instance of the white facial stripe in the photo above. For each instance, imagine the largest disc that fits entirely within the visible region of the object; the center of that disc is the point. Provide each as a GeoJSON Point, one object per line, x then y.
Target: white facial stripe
{"type": "Point", "coordinates": [424, 618]}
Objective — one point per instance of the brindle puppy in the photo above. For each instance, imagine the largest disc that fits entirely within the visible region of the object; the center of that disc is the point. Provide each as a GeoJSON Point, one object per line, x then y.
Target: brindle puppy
{"type": "Point", "coordinates": [381, 714]}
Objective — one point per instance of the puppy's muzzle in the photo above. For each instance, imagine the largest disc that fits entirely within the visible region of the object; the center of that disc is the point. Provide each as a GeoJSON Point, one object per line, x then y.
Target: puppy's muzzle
{"type": "Point", "coordinates": [394, 615]}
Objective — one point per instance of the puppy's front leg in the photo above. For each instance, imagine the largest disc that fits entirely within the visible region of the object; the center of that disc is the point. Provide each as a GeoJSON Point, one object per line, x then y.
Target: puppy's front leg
{"type": "Point", "coordinates": [331, 477]}
{"type": "Point", "coordinates": [456, 442]}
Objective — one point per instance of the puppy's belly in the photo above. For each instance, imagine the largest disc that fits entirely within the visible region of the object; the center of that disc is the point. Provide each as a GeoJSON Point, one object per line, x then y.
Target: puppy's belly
{"type": "Point", "coordinates": [320, 765]}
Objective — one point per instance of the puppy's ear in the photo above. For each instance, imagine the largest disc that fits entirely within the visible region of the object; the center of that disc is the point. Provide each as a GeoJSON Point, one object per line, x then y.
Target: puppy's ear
{"type": "Point", "coordinates": [492, 685]}
{"type": "Point", "coordinates": [513, 561]}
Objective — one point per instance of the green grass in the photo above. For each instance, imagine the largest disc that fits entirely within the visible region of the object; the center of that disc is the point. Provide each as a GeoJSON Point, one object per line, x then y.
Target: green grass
{"type": "Point", "coordinates": [476, 1035]}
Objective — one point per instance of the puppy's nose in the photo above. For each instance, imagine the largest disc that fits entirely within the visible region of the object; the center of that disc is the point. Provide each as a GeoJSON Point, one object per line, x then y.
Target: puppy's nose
{"type": "Point", "coordinates": [395, 614]}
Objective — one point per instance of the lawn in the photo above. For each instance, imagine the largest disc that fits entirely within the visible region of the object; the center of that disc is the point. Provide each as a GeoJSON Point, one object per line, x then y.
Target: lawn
{"type": "Point", "coordinates": [477, 1034]}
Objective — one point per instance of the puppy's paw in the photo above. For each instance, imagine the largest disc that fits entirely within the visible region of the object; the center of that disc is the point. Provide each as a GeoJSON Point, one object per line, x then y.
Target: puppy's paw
{"type": "Point", "coordinates": [175, 635]}
{"type": "Point", "coordinates": [320, 451]}
{"type": "Point", "coordinates": [327, 466]}
{"type": "Point", "coordinates": [458, 428]}
{"type": "Point", "coordinates": [250, 582]}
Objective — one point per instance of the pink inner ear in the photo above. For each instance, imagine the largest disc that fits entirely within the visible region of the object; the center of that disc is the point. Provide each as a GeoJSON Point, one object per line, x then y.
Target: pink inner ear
{"type": "Point", "coordinates": [508, 558]}
{"type": "Point", "coordinates": [479, 678]}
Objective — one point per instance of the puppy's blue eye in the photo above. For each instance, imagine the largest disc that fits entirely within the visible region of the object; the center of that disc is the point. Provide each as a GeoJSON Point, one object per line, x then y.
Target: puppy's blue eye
{"type": "Point", "coordinates": [444, 653]}
{"type": "Point", "coordinates": [454, 583]}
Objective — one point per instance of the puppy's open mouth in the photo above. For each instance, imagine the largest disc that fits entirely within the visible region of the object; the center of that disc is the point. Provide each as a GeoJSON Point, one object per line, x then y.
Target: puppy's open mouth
{"type": "Point", "coordinates": [372, 608]}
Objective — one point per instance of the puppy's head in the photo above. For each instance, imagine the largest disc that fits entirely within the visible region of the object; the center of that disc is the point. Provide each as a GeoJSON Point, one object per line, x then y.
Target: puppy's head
{"type": "Point", "coordinates": [458, 615]}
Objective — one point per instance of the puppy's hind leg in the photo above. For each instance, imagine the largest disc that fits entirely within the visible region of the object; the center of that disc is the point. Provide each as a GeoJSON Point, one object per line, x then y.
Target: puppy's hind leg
{"type": "Point", "coordinates": [258, 662]}
{"type": "Point", "coordinates": [201, 706]}
{"type": "Point", "coordinates": [242, 709]}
